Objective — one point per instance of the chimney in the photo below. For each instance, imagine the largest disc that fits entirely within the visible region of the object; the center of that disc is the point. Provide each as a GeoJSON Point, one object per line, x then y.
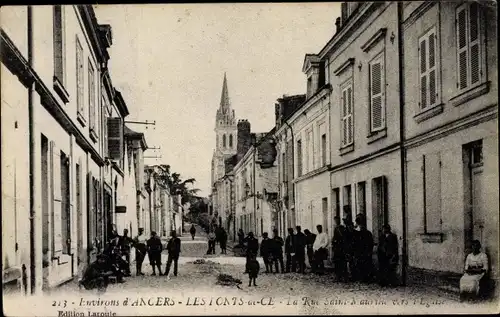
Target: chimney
{"type": "Point", "coordinates": [337, 25]}
{"type": "Point", "coordinates": [244, 139]}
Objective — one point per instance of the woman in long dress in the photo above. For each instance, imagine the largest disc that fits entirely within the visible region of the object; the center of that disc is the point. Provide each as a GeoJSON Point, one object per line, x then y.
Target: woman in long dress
{"type": "Point", "coordinates": [476, 267]}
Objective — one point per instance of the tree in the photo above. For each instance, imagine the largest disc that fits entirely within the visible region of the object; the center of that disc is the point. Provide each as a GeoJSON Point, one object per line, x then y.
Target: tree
{"type": "Point", "coordinates": [176, 185]}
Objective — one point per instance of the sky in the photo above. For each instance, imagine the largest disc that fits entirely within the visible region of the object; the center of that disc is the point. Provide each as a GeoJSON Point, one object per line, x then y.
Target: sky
{"type": "Point", "coordinates": [169, 60]}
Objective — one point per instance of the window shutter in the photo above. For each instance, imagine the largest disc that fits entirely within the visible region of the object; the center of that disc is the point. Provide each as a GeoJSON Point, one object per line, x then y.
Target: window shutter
{"type": "Point", "coordinates": [376, 86]}
{"type": "Point", "coordinates": [475, 71]}
{"type": "Point", "coordinates": [115, 138]}
{"type": "Point", "coordinates": [462, 47]}
{"type": "Point", "coordinates": [432, 69]}
{"type": "Point", "coordinates": [423, 73]}
{"type": "Point", "coordinates": [79, 77]}
{"type": "Point", "coordinates": [349, 118]}
{"type": "Point", "coordinates": [92, 112]}
{"type": "Point", "coordinates": [55, 157]}
{"type": "Point", "coordinates": [59, 51]}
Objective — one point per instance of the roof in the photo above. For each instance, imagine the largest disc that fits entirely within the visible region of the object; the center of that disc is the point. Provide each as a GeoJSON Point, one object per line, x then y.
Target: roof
{"type": "Point", "coordinates": [309, 60]}
{"type": "Point", "coordinates": [133, 135]}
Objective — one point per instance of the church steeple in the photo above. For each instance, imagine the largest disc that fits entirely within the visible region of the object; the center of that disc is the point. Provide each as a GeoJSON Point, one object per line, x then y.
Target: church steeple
{"type": "Point", "coordinates": [225, 115]}
{"type": "Point", "coordinates": [225, 104]}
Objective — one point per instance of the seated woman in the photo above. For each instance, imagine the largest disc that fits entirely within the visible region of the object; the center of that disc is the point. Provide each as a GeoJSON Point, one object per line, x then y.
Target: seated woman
{"type": "Point", "coordinates": [476, 267]}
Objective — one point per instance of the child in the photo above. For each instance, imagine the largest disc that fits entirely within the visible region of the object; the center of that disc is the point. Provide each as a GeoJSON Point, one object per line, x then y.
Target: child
{"type": "Point", "coordinates": [253, 268]}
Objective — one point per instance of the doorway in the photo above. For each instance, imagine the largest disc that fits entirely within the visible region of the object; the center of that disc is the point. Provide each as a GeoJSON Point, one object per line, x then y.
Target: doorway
{"type": "Point", "coordinates": [474, 202]}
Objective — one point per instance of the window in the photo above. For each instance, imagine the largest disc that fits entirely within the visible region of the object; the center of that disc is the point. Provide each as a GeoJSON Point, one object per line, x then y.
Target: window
{"type": "Point", "coordinates": [469, 52]}
{"type": "Point", "coordinates": [346, 114]}
{"type": "Point", "coordinates": [224, 141]}
{"type": "Point", "coordinates": [59, 44]}
{"type": "Point", "coordinates": [428, 54]}
{"type": "Point", "coordinates": [92, 107]}
{"type": "Point", "coordinates": [79, 83]}
{"type": "Point", "coordinates": [309, 87]}
{"type": "Point", "coordinates": [299, 158]}
{"type": "Point", "coordinates": [115, 138]}
{"type": "Point", "coordinates": [377, 94]}
{"type": "Point", "coordinates": [347, 202]}
{"type": "Point", "coordinates": [432, 192]}
{"type": "Point", "coordinates": [336, 200]}
{"type": "Point", "coordinates": [231, 141]}
{"type": "Point", "coordinates": [310, 151]}
{"type": "Point", "coordinates": [361, 198]}
{"type": "Point", "coordinates": [104, 114]}
{"type": "Point", "coordinates": [323, 149]}
{"type": "Point", "coordinates": [283, 167]}
{"type": "Point", "coordinates": [380, 213]}
{"type": "Point", "coordinates": [324, 206]}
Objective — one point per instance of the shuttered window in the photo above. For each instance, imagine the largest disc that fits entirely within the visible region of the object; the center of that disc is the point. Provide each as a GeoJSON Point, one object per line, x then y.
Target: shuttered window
{"type": "Point", "coordinates": [377, 94]}
{"type": "Point", "coordinates": [299, 158]}
{"type": "Point", "coordinates": [428, 69]}
{"type": "Point", "coordinates": [56, 215]}
{"type": "Point", "coordinates": [59, 44]}
{"type": "Point", "coordinates": [431, 169]}
{"type": "Point", "coordinates": [347, 114]}
{"type": "Point", "coordinates": [469, 52]}
{"type": "Point", "coordinates": [92, 95]}
{"type": "Point", "coordinates": [79, 82]}
{"type": "Point", "coordinates": [115, 138]}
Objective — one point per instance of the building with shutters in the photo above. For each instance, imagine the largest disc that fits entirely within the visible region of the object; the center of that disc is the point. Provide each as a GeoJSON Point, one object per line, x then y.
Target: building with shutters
{"type": "Point", "coordinates": [160, 203]}
{"type": "Point", "coordinates": [361, 97]}
{"type": "Point", "coordinates": [256, 185]}
{"type": "Point", "coordinates": [62, 123]}
{"type": "Point", "coordinates": [451, 137]}
{"type": "Point", "coordinates": [310, 124]}
{"type": "Point", "coordinates": [285, 107]}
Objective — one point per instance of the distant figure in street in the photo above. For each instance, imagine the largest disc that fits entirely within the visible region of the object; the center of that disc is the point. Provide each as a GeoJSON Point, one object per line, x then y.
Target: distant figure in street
{"type": "Point", "coordinates": [388, 257]}
{"type": "Point", "coordinates": [192, 231]}
{"type": "Point", "coordinates": [363, 250]}
{"type": "Point", "coordinates": [473, 282]}
{"type": "Point", "coordinates": [211, 242]}
{"type": "Point", "coordinates": [338, 248]}
{"type": "Point", "coordinates": [300, 249]}
{"type": "Point", "coordinates": [291, 263]}
{"type": "Point", "coordinates": [96, 275]}
{"type": "Point", "coordinates": [140, 250]}
{"type": "Point", "coordinates": [277, 251]}
{"type": "Point", "coordinates": [252, 267]}
{"type": "Point", "coordinates": [310, 238]}
{"type": "Point", "coordinates": [266, 252]}
{"type": "Point", "coordinates": [223, 240]}
{"type": "Point", "coordinates": [174, 250]}
{"type": "Point", "coordinates": [154, 252]}
{"type": "Point", "coordinates": [125, 243]}
{"type": "Point", "coordinates": [320, 248]}
{"type": "Point", "coordinates": [241, 237]}
{"type": "Point", "coordinates": [252, 247]}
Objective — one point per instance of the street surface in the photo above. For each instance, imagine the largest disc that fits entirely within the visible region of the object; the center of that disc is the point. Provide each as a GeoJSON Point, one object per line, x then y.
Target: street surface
{"type": "Point", "coordinates": [195, 288]}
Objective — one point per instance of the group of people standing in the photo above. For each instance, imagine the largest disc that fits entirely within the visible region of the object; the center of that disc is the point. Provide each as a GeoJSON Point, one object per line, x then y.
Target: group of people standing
{"type": "Point", "coordinates": [217, 234]}
{"type": "Point", "coordinates": [351, 246]}
{"type": "Point", "coordinates": [115, 258]}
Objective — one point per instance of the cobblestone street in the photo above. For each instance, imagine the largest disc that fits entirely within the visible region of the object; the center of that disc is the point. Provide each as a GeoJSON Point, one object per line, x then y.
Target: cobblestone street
{"type": "Point", "coordinates": [314, 294]}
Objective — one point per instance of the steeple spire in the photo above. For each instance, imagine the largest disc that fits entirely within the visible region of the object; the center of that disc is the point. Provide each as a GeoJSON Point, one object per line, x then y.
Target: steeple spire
{"type": "Point", "coordinates": [225, 105]}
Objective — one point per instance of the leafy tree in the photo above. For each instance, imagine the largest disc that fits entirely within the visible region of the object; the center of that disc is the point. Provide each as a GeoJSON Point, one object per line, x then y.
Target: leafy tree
{"type": "Point", "coordinates": [176, 184]}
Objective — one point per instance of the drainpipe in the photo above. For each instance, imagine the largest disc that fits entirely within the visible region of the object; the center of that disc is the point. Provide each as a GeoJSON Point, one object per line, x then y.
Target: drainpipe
{"type": "Point", "coordinates": [32, 147]}
{"type": "Point", "coordinates": [254, 192]}
{"type": "Point", "coordinates": [401, 139]}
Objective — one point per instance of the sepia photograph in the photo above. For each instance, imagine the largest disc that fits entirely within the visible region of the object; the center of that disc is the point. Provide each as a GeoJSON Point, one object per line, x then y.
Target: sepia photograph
{"type": "Point", "coordinates": [314, 158]}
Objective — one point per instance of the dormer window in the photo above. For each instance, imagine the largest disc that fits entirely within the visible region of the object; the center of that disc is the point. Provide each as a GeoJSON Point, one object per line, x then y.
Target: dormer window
{"type": "Point", "coordinates": [309, 87]}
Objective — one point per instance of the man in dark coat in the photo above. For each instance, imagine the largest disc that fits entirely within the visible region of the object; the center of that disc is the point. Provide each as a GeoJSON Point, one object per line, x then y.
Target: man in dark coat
{"type": "Point", "coordinates": [266, 252]}
{"type": "Point", "coordinates": [388, 257]}
{"type": "Point", "coordinates": [223, 240]}
{"type": "Point", "coordinates": [338, 248]}
{"type": "Point", "coordinates": [174, 250]}
{"type": "Point", "coordinates": [350, 238]}
{"type": "Point", "coordinates": [277, 251]}
{"type": "Point", "coordinates": [300, 249]}
{"type": "Point", "coordinates": [364, 251]}
{"type": "Point", "coordinates": [125, 243]}
{"type": "Point", "coordinates": [140, 250]}
{"type": "Point", "coordinates": [154, 252]}
{"type": "Point", "coordinates": [290, 252]}
{"type": "Point", "coordinates": [241, 237]}
{"type": "Point", "coordinates": [310, 237]}
{"type": "Point", "coordinates": [192, 231]}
